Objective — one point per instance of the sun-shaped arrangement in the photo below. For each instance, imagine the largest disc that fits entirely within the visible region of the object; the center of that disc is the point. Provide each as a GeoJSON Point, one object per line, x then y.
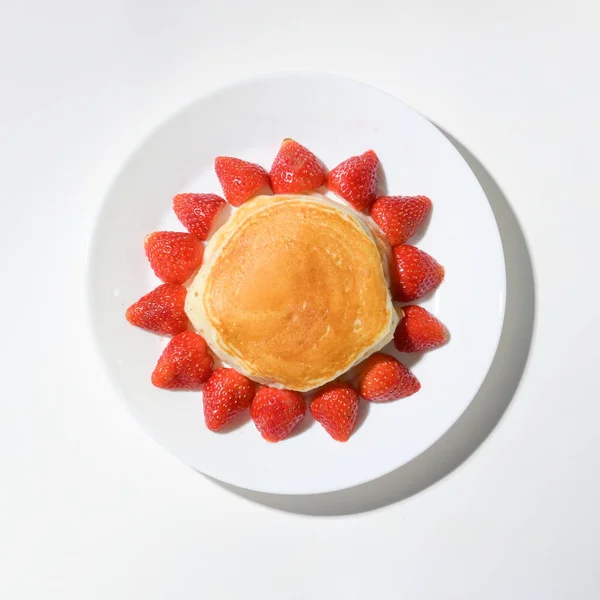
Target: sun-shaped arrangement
{"type": "Point", "coordinates": [176, 258]}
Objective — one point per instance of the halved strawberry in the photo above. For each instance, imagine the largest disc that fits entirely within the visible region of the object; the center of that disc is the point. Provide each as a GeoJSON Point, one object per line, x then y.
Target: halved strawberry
{"type": "Point", "coordinates": [414, 273]}
{"type": "Point", "coordinates": [197, 212]}
{"type": "Point", "coordinates": [277, 412]}
{"type": "Point", "coordinates": [240, 179]}
{"type": "Point", "coordinates": [399, 217]}
{"type": "Point", "coordinates": [174, 256]}
{"type": "Point", "coordinates": [296, 169]}
{"type": "Point", "coordinates": [161, 310]}
{"type": "Point", "coordinates": [355, 180]}
{"type": "Point", "coordinates": [226, 394]}
{"type": "Point", "coordinates": [383, 377]}
{"type": "Point", "coordinates": [184, 364]}
{"type": "Point", "coordinates": [419, 330]}
{"type": "Point", "coordinates": [336, 408]}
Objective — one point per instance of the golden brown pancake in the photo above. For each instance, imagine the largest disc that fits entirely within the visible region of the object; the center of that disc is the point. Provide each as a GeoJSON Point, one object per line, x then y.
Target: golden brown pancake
{"type": "Point", "coordinates": [293, 291]}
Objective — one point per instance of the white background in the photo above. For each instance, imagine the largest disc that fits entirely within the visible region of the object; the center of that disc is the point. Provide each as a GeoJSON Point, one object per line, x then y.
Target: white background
{"type": "Point", "coordinates": [506, 505]}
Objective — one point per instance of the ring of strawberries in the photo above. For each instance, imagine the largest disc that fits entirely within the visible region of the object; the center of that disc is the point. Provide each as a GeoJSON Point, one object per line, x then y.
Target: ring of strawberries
{"type": "Point", "coordinates": [186, 362]}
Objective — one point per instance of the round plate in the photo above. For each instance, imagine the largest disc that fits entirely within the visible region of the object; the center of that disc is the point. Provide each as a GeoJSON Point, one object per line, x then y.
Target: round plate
{"type": "Point", "coordinates": [335, 118]}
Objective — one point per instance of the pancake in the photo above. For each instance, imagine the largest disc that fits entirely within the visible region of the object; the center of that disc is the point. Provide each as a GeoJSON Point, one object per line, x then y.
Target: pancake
{"type": "Point", "coordinates": [293, 292]}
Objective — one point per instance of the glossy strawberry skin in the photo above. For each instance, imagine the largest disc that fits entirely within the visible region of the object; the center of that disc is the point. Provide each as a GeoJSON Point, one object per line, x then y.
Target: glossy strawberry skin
{"type": "Point", "coordinates": [226, 394]}
{"type": "Point", "coordinates": [296, 169]}
{"type": "Point", "coordinates": [197, 212]}
{"type": "Point", "coordinates": [399, 217]}
{"type": "Point", "coordinates": [240, 180]}
{"type": "Point", "coordinates": [414, 273]}
{"type": "Point", "coordinates": [335, 407]}
{"type": "Point", "coordinates": [174, 256]}
{"type": "Point", "coordinates": [277, 412]}
{"type": "Point", "coordinates": [419, 331]}
{"type": "Point", "coordinates": [184, 364]}
{"type": "Point", "coordinates": [161, 310]}
{"type": "Point", "coordinates": [355, 180]}
{"type": "Point", "coordinates": [383, 378]}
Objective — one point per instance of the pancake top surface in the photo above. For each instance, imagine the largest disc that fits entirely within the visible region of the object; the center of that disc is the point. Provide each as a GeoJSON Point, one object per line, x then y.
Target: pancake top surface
{"type": "Point", "coordinates": [293, 293]}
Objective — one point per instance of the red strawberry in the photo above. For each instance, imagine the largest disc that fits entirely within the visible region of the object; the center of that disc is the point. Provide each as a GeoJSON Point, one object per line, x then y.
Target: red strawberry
{"type": "Point", "coordinates": [419, 330]}
{"type": "Point", "coordinates": [161, 310]}
{"type": "Point", "coordinates": [296, 169]}
{"type": "Point", "coordinates": [276, 412]}
{"type": "Point", "coordinates": [239, 179]}
{"type": "Point", "coordinates": [184, 364]}
{"type": "Point", "coordinates": [414, 273]}
{"type": "Point", "coordinates": [382, 378]}
{"type": "Point", "coordinates": [355, 180]}
{"type": "Point", "coordinates": [173, 256]}
{"type": "Point", "coordinates": [197, 212]}
{"type": "Point", "coordinates": [226, 394]}
{"type": "Point", "coordinates": [399, 217]}
{"type": "Point", "coordinates": [336, 408]}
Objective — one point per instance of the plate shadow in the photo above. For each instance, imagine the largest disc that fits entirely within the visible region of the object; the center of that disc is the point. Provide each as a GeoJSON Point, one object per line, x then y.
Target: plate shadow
{"type": "Point", "coordinates": [483, 413]}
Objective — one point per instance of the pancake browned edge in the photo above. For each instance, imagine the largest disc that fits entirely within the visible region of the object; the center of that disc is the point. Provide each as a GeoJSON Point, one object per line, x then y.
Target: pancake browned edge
{"type": "Point", "coordinates": [294, 291]}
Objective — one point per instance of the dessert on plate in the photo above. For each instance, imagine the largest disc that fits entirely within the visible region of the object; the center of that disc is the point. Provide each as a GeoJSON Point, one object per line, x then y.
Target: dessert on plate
{"type": "Point", "coordinates": [294, 293]}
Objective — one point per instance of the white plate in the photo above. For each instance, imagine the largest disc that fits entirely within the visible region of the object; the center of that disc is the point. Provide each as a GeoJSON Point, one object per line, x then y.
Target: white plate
{"type": "Point", "coordinates": [336, 118]}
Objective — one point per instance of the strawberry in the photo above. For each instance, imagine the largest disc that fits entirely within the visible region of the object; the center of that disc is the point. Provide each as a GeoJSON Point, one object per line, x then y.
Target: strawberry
{"type": "Point", "coordinates": [399, 217]}
{"type": "Point", "coordinates": [226, 394]}
{"type": "Point", "coordinates": [173, 256]}
{"type": "Point", "coordinates": [336, 408]}
{"type": "Point", "coordinates": [161, 310]}
{"type": "Point", "coordinates": [276, 412]}
{"type": "Point", "coordinates": [414, 273]}
{"type": "Point", "coordinates": [239, 179]}
{"type": "Point", "coordinates": [419, 330]}
{"type": "Point", "coordinates": [382, 378]}
{"type": "Point", "coordinates": [355, 180]}
{"type": "Point", "coordinates": [197, 212]}
{"type": "Point", "coordinates": [296, 169]}
{"type": "Point", "coordinates": [184, 364]}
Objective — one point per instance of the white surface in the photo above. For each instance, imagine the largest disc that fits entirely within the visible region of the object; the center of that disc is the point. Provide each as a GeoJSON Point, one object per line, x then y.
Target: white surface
{"type": "Point", "coordinates": [249, 120]}
{"type": "Point", "coordinates": [92, 508]}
